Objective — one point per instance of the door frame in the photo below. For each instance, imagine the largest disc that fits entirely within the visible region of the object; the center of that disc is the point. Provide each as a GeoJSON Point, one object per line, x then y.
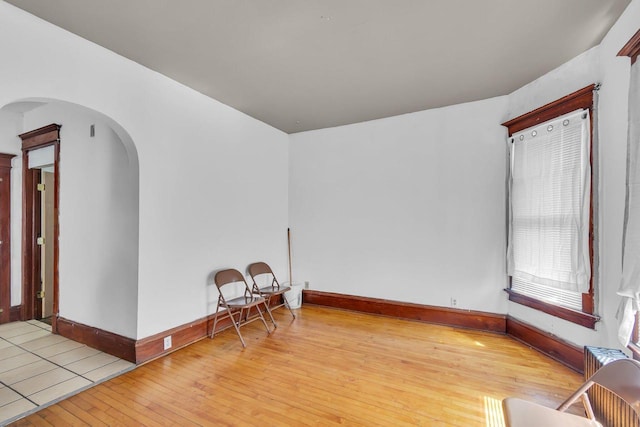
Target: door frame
{"type": "Point", "coordinates": [5, 238]}
{"type": "Point", "coordinates": [38, 138]}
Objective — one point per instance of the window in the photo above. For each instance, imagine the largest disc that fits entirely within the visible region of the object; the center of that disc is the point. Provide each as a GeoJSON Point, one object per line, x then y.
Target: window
{"type": "Point", "coordinates": [548, 239]}
{"type": "Point", "coordinates": [551, 227]}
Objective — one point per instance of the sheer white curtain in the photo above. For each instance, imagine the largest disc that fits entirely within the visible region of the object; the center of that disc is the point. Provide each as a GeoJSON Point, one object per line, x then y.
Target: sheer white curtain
{"type": "Point", "coordinates": [550, 199]}
{"type": "Point", "coordinates": [630, 286]}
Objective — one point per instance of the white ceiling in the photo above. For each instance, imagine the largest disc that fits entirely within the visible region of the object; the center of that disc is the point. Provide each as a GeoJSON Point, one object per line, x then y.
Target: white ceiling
{"type": "Point", "coordinates": [307, 64]}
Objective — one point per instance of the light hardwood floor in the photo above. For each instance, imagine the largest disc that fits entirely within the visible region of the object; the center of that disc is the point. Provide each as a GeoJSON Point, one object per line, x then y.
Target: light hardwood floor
{"type": "Point", "coordinates": [328, 367]}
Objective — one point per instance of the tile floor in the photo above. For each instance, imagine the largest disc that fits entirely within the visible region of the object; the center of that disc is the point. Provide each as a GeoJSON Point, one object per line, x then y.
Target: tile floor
{"type": "Point", "coordinates": [38, 368]}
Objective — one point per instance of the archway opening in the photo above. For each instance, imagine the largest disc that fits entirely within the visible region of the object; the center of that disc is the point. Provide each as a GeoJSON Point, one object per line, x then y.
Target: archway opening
{"type": "Point", "coordinates": [98, 212]}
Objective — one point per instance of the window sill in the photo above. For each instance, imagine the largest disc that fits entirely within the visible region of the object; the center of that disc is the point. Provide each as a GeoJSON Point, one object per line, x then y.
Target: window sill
{"type": "Point", "coordinates": [577, 317]}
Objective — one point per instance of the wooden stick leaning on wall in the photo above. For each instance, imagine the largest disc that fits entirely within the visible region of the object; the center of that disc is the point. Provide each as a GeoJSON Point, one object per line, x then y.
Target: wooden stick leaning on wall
{"type": "Point", "coordinates": [289, 249]}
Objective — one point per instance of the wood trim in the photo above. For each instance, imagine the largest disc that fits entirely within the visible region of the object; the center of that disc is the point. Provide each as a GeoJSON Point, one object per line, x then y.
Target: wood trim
{"type": "Point", "coordinates": [578, 317]}
{"type": "Point", "coordinates": [632, 48]}
{"type": "Point", "coordinates": [5, 237]}
{"type": "Point", "coordinates": [635, 350]}
{"type": "Point", "coordinates": [56, 238]}
{"type": "Point", "coordinates": [146, 349]}
{"type": "Point", "coordinates": [5, 160]}
{"type": "Point", "coordinates": [546, 343]}
{"type": "Point", "coordinates": [14, 313]}
{"type": "Point", "coordinates": [114, 344]}
{"type": "Point", "coordinates": [142, 350]}
{"type": "Point", "coordinates": [152, 347]}
{"type": "Point", "coordinates": [582, 98]}
{"type": "Point", "coordinates": [587, 301]}
{"type": "Point", "coordinates": [403, 310]}
{"type": "Point", "coordinates": [635, 337]}
{"type": "Point", "coordinates": [41, 137]}
{"type": "Point", "coordinates": [38, 138]}
{"type": "Point", "coordinates": [29, 233]}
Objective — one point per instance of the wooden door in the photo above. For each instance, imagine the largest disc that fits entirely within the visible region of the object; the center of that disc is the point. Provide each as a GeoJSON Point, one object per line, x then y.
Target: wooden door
{"type": "Point", "coordinates": [5, 237]}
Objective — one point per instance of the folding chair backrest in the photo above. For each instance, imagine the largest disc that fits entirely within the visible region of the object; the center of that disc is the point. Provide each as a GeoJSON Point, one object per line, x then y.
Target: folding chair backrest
{"type": "Point", "coordinates": [224, 277]}
{"type": "Point", "coordinates": [258, 268]}
{"type": "Point", "coordinates": [623, 378]}
{"type": "Point", "coordinates": [269, 287]}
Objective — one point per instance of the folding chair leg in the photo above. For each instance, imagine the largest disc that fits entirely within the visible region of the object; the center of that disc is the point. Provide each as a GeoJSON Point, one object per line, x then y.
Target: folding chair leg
{"type": "Point", "coordinates": [587, 406]}
{"type": "Point", "coordinates": [266, 304]}
{"type": "Point", "coordinates": [215, 321]}
{"type": "Point", "coordinates": [264, 321]}
{"type": "Point", "coordinates": [235, 325]}
{"type": "Point", "coordinates": [286, 304]}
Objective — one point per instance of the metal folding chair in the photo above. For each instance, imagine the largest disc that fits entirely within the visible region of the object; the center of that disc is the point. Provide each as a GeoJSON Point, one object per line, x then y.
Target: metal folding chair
{"type": "Point", "coordinates": [238, 306]}
{"type": "Point", "coordinates": [260, 271]}
{"type": "Point", "coordinates": [622, 377]}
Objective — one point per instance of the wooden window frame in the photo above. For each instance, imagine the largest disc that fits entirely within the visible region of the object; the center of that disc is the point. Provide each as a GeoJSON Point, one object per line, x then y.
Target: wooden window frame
{"type": "Point", "coordinates": [632, 48]}
{"type": "Point", "coordinates": [635, 337]}
{"type": "Point", "coordinates": [580, 99]}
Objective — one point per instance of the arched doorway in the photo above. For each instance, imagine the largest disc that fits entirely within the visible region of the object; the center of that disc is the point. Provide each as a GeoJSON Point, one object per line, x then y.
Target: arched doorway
{"type": "Point", "coordinates": [98, 216]}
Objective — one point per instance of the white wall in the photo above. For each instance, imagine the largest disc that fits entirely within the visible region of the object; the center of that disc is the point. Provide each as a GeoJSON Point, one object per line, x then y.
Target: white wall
{"type": "Point", "coordinates": [408, 208]}
{"type": "Point", "coordinates": [599, 65]}
{"type": "Point", "coordinates": [614, 109]}
{"type": "Point", "coordinates": [213, 181]}
{"type": "Point", "coordinates": [381, 208]}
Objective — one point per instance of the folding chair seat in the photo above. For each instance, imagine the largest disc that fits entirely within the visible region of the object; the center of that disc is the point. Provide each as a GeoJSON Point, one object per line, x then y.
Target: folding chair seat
{"type": "Point", "coordinates": [239, 306]}
{"type": "Point", "coordinates": [621, 377]}
{"type": "Point", "coordinates": [271, 288]}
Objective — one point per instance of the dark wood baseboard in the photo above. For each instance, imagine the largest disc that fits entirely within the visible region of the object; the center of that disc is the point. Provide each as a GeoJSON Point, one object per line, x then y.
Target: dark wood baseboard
{"type": "Point", "coordinates": [151, 347]}
{"type": "Point", "coordinates": [145, 349]}
{"type": "Point", "coordinates": [14, 313]}
{"type": "Point", "coordinates": [551, 345]}
{"type": "Point", "coordinates": [441, 315]}
{"type": "Point", "coordinates": [142, 350]}
{"type": "Point", "coordinates": [546, 343]}
{"type": "Point", "coordinates": [114, 344]}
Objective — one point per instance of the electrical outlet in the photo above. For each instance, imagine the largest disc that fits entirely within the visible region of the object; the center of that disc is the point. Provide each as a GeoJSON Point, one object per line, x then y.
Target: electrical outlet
{"type": "Point", "coordinates": [306, 285]}
{"type": "Point", "coordinates": [167, 342]}
{"type": "Point", "coordinates": [454, 302]}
